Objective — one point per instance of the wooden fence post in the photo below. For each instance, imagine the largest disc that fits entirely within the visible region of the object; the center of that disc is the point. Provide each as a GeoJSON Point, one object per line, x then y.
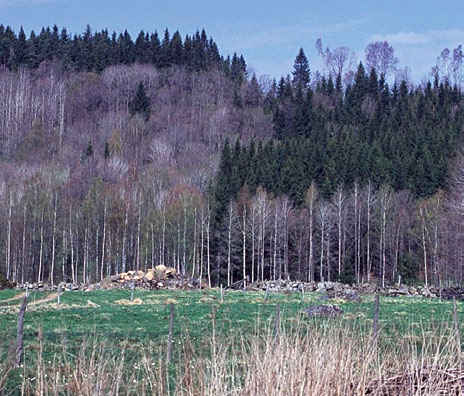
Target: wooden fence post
{"type": "Point", "coordinates": [457, 333]}
{"type": "Point", "coordinates": [132, 291]}
{"type": "Point", "coordinates": [19, 338]}
{"type": "Point", "coordinates": [170, 336]}
{"type": "Point", "coordinates": [375, 323]}
{"type": "Point", "coordinates": [277, 323]}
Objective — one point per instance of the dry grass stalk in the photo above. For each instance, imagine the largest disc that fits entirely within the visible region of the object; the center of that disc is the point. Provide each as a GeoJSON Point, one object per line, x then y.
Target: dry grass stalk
{"type": "Point", "coordinates": [333, 361]}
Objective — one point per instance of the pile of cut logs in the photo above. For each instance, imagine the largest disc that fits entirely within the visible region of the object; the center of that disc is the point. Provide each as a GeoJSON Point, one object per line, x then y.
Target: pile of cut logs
{"type": "Point", "coordinates": [150, 278]}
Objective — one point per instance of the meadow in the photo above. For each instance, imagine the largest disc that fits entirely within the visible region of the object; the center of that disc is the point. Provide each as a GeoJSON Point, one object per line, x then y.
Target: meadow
{"type": "Point", "coordinates": [241, 343]}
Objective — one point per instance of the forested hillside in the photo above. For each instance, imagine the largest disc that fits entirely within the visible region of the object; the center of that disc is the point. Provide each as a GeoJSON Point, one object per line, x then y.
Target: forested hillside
{"type": "Point", "coordinates": [121, 154]}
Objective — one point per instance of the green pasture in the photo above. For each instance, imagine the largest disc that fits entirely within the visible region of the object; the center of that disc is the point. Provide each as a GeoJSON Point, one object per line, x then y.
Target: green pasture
{"type": "Point", "coordinates": [109, 317]}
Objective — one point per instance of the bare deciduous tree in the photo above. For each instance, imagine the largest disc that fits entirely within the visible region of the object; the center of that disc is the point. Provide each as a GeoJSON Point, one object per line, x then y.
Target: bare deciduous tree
{"type": "Point", "coordinates": [339, 62]}
{"type": "Point", "coordinates": [381, 56]}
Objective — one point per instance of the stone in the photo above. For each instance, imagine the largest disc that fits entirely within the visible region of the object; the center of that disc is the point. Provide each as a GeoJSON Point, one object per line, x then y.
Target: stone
{"type": "Point", "coordinates": [324, 310]}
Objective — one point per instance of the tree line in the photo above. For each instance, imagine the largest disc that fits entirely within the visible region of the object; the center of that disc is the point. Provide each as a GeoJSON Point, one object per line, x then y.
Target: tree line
{"type": "Point", "coordinates": [222, 174]}
{"type": "Point", "coordinates": [358, 234]}
{"type": "Point", "coordinates": [95, 51]}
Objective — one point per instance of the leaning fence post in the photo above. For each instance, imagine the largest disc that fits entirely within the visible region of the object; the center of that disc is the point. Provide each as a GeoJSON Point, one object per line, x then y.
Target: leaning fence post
{"type": "Point", "coordinates": [19, 338]}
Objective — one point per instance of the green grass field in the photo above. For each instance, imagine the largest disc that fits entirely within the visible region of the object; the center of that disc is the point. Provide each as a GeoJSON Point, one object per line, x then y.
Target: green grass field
{"type": "Point", "coordinates": [107, 323]}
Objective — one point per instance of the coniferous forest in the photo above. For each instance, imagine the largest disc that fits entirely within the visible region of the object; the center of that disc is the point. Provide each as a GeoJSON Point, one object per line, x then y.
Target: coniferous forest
{"type": "Point", "coordinates": [121, 154]}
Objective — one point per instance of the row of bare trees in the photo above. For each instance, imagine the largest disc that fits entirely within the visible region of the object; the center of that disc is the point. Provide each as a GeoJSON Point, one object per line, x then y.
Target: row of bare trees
{"type": "Point", "coordinates": [360, 234]}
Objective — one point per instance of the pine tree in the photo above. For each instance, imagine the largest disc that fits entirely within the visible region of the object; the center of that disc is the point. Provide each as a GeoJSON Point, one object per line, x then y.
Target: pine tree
{"type": "Point", "coordinates": [88, 150]}
{"type": "Point", "coordinates": [87, 60]}
{"type": "Point", "coordinates": [127, 49]}
{"type": "Point", "coordinates": [177, 49]}
{"type": "Point", "coordinates": [142, 53]}
{"type": "Point", "coordinates": [33, 51]}
{"type": "Point", "coordinates": [238, 69]}
{"type": "Point", "coordinates": [155, 49]}
{"type": "Point", "coordinates": [141, 103]}
{"type": "Point", "coordinates": [20, 51]}
{"type": "Point", "coordinates": [223, 190]}
{"type": "Point", "coordinates": [165, 59]}
{"type": "Point", "coordinates": [301, 72]}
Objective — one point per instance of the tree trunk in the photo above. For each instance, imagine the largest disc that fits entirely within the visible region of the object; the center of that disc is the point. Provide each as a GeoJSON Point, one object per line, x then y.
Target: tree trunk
{"type": "Point", "coordinates": [52, 266]}
{"type": "Point", "coordinates": [8, 237]}
{"type": "Point", "coordinates": [102, 260]}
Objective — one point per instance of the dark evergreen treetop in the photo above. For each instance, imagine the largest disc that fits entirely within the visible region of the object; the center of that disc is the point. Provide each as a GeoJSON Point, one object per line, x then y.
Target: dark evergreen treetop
{"type": "Point", "coordinates": [94, 51]}
{"type": "Point", "coordinates": [301, 71]}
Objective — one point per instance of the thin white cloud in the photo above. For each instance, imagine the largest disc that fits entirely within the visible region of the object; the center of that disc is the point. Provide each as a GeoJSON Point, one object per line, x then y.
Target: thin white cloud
{"type": "Point", "coordinates": [265, 44]}
{"type": "Point", "coordinates": [251, 37]}
{"type": "Point", "coordinates": [428, 37]}
{"type": "Point", "coordinates": [5, 4]}
{"type": "Point", "coordinates": [402, 38]}
{"type": "Point", "coordinates": [255, 36]}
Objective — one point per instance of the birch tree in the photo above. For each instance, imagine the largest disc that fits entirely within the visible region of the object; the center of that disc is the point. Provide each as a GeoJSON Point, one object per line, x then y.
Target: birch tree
{"type": "Point", "coordinates": [312, 196]}
{"type": "Point", "coordinates": [384, 204]}
{"type": "Point", "coordinates": [261, 204]}
{"type": "Point", "coordinates": [324, 220]}
{"type": "Point", "coordinates": [339, 200]}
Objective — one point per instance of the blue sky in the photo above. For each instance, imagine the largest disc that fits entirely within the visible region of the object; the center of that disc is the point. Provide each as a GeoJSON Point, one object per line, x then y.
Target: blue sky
{"type": "Point", "coordinates": [268, 33]}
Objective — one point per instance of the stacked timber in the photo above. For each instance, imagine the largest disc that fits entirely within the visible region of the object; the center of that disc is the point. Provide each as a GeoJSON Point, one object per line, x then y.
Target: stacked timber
{"type": "Point", "coordinates": [157, 277]}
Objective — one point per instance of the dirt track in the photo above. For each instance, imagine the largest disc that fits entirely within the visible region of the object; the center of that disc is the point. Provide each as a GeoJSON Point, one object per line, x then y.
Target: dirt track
{"type": "Point", "coordinates": [50, 297]}
{"type": "Point", "coordinates": [18, 297]}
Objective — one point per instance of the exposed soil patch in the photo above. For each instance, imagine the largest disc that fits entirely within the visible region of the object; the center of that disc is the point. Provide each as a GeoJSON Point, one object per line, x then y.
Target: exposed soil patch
{"type": "Point", "coordinates": [18, 297]}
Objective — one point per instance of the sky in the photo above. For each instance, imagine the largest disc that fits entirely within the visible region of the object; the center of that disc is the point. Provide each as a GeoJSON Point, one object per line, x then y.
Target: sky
{"type": "Point", "coordinates": [269, 33]}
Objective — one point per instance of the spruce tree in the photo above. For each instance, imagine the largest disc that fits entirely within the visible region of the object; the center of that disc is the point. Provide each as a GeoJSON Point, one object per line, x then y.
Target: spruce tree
{"type": "Point", "coordinates": [177, 49]}
{"type": "Point", "coordinates": [141, 103]}
{"type": "Point", "coordinates": [301, 72]}
{"type": "Point", "coordinates": [20, 51]}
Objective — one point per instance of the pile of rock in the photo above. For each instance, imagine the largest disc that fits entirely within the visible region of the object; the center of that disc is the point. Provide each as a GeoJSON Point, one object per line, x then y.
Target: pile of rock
{"type": "Point", "coordinates": [324, 310]}
{"type": "Point", "coordinates": [339, 290]}
{"type": "Point", "coordinates": [162, 277]}
{"type": "Point", "coordinates": [283, 285]}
